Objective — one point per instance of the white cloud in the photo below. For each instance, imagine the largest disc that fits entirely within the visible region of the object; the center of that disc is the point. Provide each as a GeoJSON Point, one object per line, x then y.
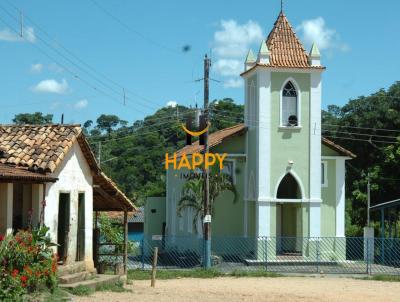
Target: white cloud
{"type": "Point", "coordinates": [233, 40]}
{"type": "Point", "coordinates": [51, 86]}
{"type": "Point", "coordinates": [81, 104]}
{"type": "Point", "coordinates": [231, 43]}
{"type": "Point", "coordinates": [233, 83]}
{"type": "Point", "coordinates": [228, 67]}
{"type": "Point", "coordinates": [172, 104]}
{"type": "Point", "coordinates": [8, 35]}
{"type": "Point", "coordinates": [315, 30]}
{"type": "Point", "coordinates": [37, 68]}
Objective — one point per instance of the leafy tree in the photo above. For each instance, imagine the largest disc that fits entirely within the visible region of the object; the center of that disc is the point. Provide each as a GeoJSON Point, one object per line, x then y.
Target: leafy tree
{"type": "Point", "coordinates": [225, 113]}
{"type": "Point", "coordinates": [107, 122]}
{"type": "Point", "coordinates": [193, 191]}
{"type": "Point", "coordinates": [36, 118]}
{"type": "Point", "coordinates": [376, 149]}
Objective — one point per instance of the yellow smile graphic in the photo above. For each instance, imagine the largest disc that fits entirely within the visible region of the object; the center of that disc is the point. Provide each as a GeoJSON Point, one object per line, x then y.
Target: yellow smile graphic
{"type": "Point", "coordinates": [198, 133]}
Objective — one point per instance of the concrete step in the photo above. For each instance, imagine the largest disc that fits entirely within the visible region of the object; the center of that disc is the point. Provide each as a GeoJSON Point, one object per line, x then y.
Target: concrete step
{"type": "Point", "coordinates": [92, 283]}
{"type": "Point", "coordinates": [68, 269]}
{"type": "Point", "coordinates": [72, 278]}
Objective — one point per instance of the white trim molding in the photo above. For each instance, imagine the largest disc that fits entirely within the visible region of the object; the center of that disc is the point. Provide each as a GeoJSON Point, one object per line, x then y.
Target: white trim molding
{"type": "Point", "coordinates": [298, 106]}
{"type": "Point", "coordinates": [263, 218]}
{"type": "Point", "coordinates": [315, 136]}
{"type": "Point", "coordinates": [297, 178]}
{"type": "Point", "coordinates": [336, 157]}
{"type": "Point", "coordinates": [315, 219]}
{"type": "Point", "coordinates": [340, 197]}
{"type": "Point", "coordinates": [263, 162]}
{"type": "Point", "coordinates": [276, 200]}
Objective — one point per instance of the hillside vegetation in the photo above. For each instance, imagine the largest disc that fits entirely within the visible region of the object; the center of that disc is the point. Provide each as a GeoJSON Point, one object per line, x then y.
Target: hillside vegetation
{"type": "Point", "coordinates": [369, 126]}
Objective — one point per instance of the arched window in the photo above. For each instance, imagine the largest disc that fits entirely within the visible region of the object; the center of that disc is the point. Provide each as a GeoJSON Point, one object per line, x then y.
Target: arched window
{"type": "Point", "coordinates": [288, 188]}
{"type": "Point", "coordinates": [289, 105]}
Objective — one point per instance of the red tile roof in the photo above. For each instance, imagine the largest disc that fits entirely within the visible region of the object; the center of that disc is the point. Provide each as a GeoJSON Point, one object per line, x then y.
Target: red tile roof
{"type": "Point", "coordinates": [41, 149]}
{"type": "Point", "coordinates": [285, 48]}
{"type": "Point", "coordinates": [337, 148]}
{"type": "Point", "coordinates": [214, 139]}
{"type": "Point", "coordinates": [11, 173]}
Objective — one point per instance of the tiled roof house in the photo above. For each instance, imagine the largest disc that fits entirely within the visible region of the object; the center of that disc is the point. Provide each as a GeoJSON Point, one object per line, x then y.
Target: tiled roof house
{"type": "Point", "coordinates": [50, 172]}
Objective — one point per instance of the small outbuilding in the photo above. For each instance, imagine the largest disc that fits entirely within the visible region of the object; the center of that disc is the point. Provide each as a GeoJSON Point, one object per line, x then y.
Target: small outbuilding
{"type": "Point", "coordinates": [49, 175]}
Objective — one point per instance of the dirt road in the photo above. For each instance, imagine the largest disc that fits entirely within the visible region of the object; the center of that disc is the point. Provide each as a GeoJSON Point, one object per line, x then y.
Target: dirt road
{"type": "Point", "coordinates": [285, 289]}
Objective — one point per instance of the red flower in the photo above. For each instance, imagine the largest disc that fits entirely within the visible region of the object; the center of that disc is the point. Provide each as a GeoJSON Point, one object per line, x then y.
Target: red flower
{"type": "Point", "coordinates": [23, 279]}
{"type": "Point", "coordinates": [1, 237]}
{"type": "Point", "coordinates": [14, 273]}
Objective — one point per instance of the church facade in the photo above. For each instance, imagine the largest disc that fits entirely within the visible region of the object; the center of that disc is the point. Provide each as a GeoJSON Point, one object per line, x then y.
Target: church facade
{"type": "Point", "coordinates": [289, 178]}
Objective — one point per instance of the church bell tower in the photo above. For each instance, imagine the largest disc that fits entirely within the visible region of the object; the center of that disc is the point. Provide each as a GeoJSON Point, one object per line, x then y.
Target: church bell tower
{"type": "Point", "coordinates": [283, 117]}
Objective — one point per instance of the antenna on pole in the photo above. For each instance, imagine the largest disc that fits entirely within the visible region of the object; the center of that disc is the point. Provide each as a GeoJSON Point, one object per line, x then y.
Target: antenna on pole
{"type": "Point", "coordinates": [21, 19]}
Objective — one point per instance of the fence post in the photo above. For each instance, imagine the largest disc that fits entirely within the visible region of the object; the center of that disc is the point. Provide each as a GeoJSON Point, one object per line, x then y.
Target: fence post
{"type": "Point", "coordinates": [142, 252]}
{"type": "Point", "coordinates": [266, 253]}
{"type": "Point", "coordinates": [368, 256]}
{"type": "Point", "coordinates": [317, 254]}
{"type": "Point", "coordinates": [154, 267]}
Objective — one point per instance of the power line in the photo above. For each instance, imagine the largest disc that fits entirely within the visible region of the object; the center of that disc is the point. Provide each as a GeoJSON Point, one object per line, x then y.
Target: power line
{"type": "Point", "coordinates": [130, 29]}
{"type": "Point", "coordinates": [354, 127]}
{"type": "Point", "coordinates": [75, 56]}
{"type": "Point", "coordinates": [360, 134]}
{"type": "Point", "coordinates": [364, 140]}
{"type": "Point", "coordinates": [93, 74]}
{"type": "Point", "coordinates": [133, 134]}
{"type": "Point", "coordinates": [239, 115]}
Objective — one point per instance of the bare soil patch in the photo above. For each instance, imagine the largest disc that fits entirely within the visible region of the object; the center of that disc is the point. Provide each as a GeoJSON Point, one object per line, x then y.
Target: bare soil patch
{"type": "Point", "coordinates": [282, 289]}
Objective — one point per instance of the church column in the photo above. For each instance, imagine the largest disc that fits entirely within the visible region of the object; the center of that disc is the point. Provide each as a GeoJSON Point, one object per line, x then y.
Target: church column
{"type": "Point", "coordinates": [340, 196]}
{"type": "Point", "coordinates": [264, 135]}
{"type": "Point", "coordinates": [264, 218]}
{"type": "Point", "coordinates": [315, 155]}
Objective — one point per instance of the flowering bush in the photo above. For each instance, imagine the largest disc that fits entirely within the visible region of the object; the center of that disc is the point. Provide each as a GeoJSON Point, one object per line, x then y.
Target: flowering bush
{"type": "Point", "coordinates": [27, 264]}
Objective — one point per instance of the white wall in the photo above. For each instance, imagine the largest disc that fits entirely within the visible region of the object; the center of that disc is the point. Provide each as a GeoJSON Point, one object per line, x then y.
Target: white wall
{"type": "Point", "coordinates": [6, 208]}
{"type": "Point", "coordinates": [74, 177]}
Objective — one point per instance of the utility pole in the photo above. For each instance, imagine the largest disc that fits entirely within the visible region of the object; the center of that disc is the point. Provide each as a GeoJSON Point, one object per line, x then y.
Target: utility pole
{"type": "Point", "coordinates": [368, 199]}
{"type": "Point", "coordinates": [99, 155]}
{"type": "Point", "coordinates": [207, 214]}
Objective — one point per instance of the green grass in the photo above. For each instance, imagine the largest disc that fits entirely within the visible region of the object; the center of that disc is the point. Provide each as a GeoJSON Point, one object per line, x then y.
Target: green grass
{"type": "Point", "coordinates": [117, 287]}
{"type": "Point", "coordinates": [197, 273]}
{"type": "Point", "coordinates": [387, 278]}
{"type": "Point", "coordinates": [57, 296]}
{"type": "Point", "coordinates": [82, 290]}
{"type": "Point", "coordinates": [259, 273]}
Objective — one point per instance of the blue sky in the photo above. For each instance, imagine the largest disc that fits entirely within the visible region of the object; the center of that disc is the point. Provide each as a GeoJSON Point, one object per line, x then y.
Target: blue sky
{"type": "Point", "coordinates": [139, 49]}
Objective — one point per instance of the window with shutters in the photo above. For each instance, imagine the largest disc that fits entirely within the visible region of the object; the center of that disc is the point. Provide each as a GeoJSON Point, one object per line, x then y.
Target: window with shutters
{"type": "Point", "coordinates": [289, 106]}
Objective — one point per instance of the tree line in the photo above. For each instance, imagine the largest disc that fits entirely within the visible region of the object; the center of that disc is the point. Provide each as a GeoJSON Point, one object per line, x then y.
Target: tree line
{"type": "Point", "coordinates": [369, 126]}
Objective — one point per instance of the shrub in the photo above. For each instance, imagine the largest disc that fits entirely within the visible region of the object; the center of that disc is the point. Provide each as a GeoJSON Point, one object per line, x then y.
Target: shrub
{"type": "Point", "coordinates": [27, 264]}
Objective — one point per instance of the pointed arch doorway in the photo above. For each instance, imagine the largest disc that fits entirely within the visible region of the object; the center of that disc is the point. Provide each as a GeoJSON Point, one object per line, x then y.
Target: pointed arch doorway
{"type": "Point", "coordinates": [289, 217]}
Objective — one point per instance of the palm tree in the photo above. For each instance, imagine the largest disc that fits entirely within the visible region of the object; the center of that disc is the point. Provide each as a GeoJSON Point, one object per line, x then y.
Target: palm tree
{"type": "Point", "coordinates": [193, 191]}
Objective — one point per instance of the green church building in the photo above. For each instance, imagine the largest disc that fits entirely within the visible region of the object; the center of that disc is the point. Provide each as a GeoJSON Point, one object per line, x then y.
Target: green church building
{"type": "Point", "coordinates": [289, 178]}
